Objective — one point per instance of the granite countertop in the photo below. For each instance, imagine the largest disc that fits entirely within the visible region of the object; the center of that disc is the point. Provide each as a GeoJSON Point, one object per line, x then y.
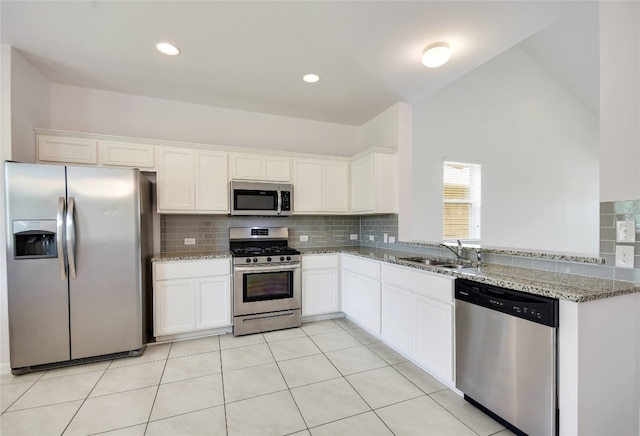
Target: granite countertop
{"type": "Point", "coordinates": [569, 287]}
{"type": "Point", "coordinates": [190, 255]}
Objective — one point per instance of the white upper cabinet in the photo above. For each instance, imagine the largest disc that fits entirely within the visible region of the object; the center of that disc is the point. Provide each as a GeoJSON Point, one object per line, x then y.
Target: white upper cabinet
{"type": "Point", "coordinates": [125, 154]}
{"type": "Point", "coordinates": [176, 180]}
{"type": "Point", "coordinates": [320, 186]}
{"type": "Point", "coordinates": [259, 166]}
{"type": "Point", "coordinates": [192, 180]}
{"type": "Point", "coordinates": [212, 186]}
{"type": "Point", "coordinates": [87, 150]}
{"type": "Point", "coordinates": [67, 149]}
{"type": "Point", "coordinates": [374, 183]}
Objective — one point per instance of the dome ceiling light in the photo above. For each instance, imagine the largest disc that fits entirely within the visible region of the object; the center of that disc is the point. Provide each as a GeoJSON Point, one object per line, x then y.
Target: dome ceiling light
{"type": "Point", "coordinates": [436, 54]}
{"type": "Point", "coordinates": [167, 48]}
{"type": "Point", "coordinates": [311, 78]}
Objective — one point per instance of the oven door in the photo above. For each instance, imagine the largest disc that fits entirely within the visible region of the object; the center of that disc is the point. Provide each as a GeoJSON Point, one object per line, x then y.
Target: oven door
{"type": "Point", "coordinates": [269, 288]}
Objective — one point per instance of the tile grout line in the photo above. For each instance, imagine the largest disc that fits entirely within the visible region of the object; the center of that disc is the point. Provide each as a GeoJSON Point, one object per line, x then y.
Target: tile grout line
{"type": "Point", "coordinates": [285, 380]}
{"type": "Point", "coordinates": [22, 394]}
{"type": "Point", "coordinates": [155, 397]}
{"type": "Point", "coordinates": [85, 399]}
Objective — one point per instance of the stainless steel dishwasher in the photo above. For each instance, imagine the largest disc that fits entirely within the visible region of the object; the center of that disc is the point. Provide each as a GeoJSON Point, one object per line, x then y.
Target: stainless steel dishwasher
{"type": "Point", "coordinates": [506, 355]}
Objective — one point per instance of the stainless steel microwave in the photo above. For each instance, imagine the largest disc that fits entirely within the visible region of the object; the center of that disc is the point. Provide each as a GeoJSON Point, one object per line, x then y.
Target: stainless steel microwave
{"type": "Point", "coordinates": [264, 199]}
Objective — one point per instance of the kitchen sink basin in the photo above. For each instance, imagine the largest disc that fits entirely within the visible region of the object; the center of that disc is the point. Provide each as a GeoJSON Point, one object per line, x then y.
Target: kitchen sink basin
{"type": "Point", "coordinates": [435, 262]}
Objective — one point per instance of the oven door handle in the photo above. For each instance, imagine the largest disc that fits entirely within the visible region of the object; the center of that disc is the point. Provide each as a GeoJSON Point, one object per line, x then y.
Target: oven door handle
{"type": "Point", "coordinates": [286, 267]}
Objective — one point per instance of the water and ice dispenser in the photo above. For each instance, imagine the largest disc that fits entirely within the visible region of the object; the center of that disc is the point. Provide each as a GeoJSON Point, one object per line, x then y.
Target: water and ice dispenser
{"type": "Point", "coordinates": [34, 239]}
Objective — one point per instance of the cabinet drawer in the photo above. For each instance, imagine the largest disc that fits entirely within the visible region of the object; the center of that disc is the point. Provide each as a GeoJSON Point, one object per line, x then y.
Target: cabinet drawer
{"type": "Point", "coordinates": [367, 268]}
{"type": "Point", "coordinates": [193, 268]}
{"type": "Point", "coordinates": [320, 261]}
{"type": "Point", "coordinates": [422, 283]}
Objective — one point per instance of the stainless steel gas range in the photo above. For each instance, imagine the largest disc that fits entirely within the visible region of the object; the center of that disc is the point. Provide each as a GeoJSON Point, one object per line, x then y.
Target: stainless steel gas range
{"type": "Point", "coordinates": [267, 281]}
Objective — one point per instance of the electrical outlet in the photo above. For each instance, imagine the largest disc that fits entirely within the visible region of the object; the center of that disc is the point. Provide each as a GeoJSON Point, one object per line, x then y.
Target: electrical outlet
{"type": "Point", "coordinates": [371, 237]}
{"type": "Point", "coordinates": [626, 231]}
{"type": "Point", "coordinates": [304, 238]}
{"type": "Point", "coordinates": [353, 236]}
{"type": "Point", "coordinates": [385, 238]}
{"type": "Point", "coordinates": [392, 239]}
{"type": "Point", "coordinates": [624, 256]}
{"type": "Point", "coordinates": [189, 241]}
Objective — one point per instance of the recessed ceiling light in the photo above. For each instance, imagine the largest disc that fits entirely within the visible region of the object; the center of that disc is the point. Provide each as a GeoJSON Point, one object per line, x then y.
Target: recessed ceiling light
{"type": "Point", "coordinates": [436, 54]}
{"type": "Point", "coordinates": [311, 78]}
{"type": "Point", "coordinates": [168, 49]}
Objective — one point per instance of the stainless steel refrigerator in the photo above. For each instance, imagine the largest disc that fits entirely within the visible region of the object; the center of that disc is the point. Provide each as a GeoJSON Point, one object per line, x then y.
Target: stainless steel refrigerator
{"type": "Point", "coordinates": [79, 245]}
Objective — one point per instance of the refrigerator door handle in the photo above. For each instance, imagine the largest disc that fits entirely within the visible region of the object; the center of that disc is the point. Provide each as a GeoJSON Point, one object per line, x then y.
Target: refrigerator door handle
{"type": "Point", "coordinates": [59, 239]}
{"type": "Point", "coordinates": [71, 237]}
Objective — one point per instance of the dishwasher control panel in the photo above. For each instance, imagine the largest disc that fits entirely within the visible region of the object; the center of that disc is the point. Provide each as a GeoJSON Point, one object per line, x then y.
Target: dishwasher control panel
{"type": "Point", "coordinates": [535, 308]}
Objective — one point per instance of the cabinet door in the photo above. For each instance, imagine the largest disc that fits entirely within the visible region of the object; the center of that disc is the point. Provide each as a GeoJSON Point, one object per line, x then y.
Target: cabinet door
{"type": "Point", "coordinates": [176, 180]}
{"type": "Point", "coordinates": [320, 292]}
{"type": "Point", "coordinates": [362, 184]}
{"type": "Point", "coordinates": [277, 168]}
{"type": "Point", "coordinates": [122, 154]}
{"type": "Point", "coordinates": [370, 304]}
{"type": "Point", "coordinates": [212, 186]}
{"type": "Point", "coordinates": [397, 317]}
{"type": "Point", "coordinates": [174, 304]}
{"type": "Point", "coordinates": [246, 166]}
{"type": "Point", "coordinates": [350, 295]}
{"type": "Point", "coordinates": [335, 183]}
{"type": "Point", "coordinates": [307, 185]}
{"type": "Point", "coordinates": [69, 150]}
{"type": "Point", "coordinates": [213, 302]}
{"type": "Point", "coordinates": [433, 336]}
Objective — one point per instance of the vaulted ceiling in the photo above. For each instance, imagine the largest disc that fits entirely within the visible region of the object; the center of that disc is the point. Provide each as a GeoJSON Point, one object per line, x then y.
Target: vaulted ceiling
{"type": "Point", "coordinates": [251, 56]}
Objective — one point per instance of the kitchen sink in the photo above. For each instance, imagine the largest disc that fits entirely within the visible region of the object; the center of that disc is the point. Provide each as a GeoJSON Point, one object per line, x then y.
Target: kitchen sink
{"type": "Point", "coordinates": [442, 263]}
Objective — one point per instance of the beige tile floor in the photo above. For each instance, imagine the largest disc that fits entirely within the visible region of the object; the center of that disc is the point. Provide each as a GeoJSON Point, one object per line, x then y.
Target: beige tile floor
{"type": "Point", "coordinates": [326, 378]}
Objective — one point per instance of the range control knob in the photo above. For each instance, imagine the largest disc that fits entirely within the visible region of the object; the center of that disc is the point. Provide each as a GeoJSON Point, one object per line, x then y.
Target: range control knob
{"type": "Point", "coordinates": [248, 260]}
{"type": "Point", "coordinates": [268, 259]}
{"type": "Point", "coordinates": [281, 258]}
{"type": "Point", "coordinates": [288, 257]}
{"type": "Point", "coordinates": [255, 259]}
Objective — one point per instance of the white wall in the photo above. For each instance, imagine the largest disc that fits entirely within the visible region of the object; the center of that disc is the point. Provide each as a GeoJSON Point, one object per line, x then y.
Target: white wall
{"type": "Point", "coordinates": [5, 154]}
{"type": "Point", "coordinates": [620, 100]}
{"type": "Point", "coordinates": [382, 130]}
{"type": "Point", "coordinates": [95, 111]}
{"type": "Point", "coordinates": [30, 107]}
{"type": "Point", "coordinates": [538, 147]}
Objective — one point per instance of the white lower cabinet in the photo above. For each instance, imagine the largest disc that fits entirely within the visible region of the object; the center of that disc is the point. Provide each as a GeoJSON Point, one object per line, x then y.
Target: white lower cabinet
{"type": "Point", "coordinates": [396, 325]}
{"type": "Point", "coordinates": [320, 284]}
{"type": "Point", "coordinates": [191, 295]}
{"type": "Point", "coordinates": [418, 317]}
{"type": "Point", "coordinates": [361, 292]}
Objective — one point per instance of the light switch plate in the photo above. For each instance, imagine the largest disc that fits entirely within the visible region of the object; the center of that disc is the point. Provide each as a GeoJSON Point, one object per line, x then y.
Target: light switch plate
{"type": "Point", "coordinates": [625, 256]}
{"type": "Point", "coordinates": [189, 241]}
{"type": "Point", "coordinates": [392, 239]}
{"type": "Point", "coordinates": [353, 236]}
{"type": "Point", "coordinates": [626, 231]}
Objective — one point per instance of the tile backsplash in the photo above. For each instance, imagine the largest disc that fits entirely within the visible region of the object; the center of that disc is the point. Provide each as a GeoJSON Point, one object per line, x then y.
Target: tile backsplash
{"type": "Point", "coordinates": [212, 233]}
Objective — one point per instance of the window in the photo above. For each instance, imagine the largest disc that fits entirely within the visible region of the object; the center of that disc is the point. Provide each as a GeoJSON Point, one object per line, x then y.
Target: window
{"type": "Point", "coordinates": [461, 196]}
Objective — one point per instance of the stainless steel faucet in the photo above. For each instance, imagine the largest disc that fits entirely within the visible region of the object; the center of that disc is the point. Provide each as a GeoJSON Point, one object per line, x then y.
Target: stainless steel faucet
{"type": "Point", "coordinates": [459, 251]}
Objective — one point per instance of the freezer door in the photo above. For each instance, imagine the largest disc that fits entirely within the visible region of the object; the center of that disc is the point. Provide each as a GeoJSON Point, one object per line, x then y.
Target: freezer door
{"type": "Point", "coordinates": [38, 298]}
{"type": "Point", "coordinates": [103, 235]}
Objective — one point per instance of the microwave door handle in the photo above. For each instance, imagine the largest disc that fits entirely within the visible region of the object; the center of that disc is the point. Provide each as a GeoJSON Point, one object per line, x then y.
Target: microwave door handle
{"type": "Point", "coordinates": [279, 201]}
{"type": "Point", "coordinates": [59, 238]}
